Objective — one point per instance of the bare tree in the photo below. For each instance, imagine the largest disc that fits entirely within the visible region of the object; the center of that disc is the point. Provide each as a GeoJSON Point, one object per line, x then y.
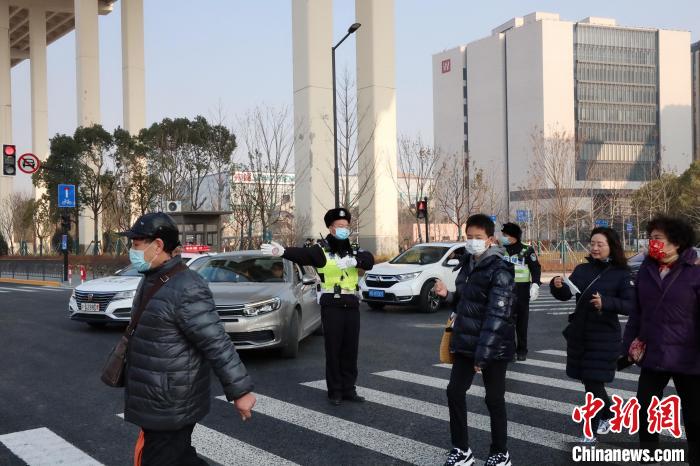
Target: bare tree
{"type": "Point", "coordinates": [554, 160]}
{"type": "Point", "coordinates": [41, 221]}
{"type": "Point", "coordinates": [166, 142]}
{"type": "Point", "coordinates": [416, 164]}
{"type": "Point", "coordinates": [461, 192]}
{"type": "Point", "coordinates": [11, 219]}
{"type": "Point", "coordinates": [268, 138]}
{"type": "Point", "coordinates": [222, 145]}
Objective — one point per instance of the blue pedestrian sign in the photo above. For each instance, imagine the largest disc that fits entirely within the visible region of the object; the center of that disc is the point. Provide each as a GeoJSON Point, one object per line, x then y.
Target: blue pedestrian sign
{"type": "Point", "coordinates": [66, 195]}
{"type": "Point", "coordinates": [628, 227]}
{"type": "Point", "coordinates": [522, 216]}
{"type": "Point", "coordinates": [64, 242]}
{"type": "Point", "coordinates": [601, 222]}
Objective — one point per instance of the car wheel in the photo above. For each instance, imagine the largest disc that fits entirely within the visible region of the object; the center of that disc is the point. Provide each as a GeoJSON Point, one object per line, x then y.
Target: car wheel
{"type": "Point", "coordinates": [376, 306]}
{"type": "Point", "coordinates": [291, 347]}
{"type": "Point", "coordinates": [97, 324]}
{"type": "Point", "coordinates": [429, 302]}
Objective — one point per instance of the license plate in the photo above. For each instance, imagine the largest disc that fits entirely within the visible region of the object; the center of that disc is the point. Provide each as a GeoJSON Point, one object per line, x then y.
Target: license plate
{"type": "Point", "coordinates": [90, 307]}
{"type": "Point", "coordinates": [376, 293]}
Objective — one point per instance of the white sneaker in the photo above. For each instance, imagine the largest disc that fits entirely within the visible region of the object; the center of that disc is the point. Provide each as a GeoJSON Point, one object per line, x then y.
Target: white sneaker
{"type": "Point", "coordinates": [604, 427]}
{"type": "Point", "coordinates": [585, 439]}
{"type": "Point", "coordinates": [457, 457]}
{"type": "Point", "coordinates": [499, 459]}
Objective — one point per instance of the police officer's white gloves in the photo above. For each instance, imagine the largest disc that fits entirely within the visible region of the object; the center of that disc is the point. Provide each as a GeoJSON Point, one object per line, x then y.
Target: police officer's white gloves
{"type": "Point", "coordinates": [534, 291]}
{"type": "Point", "coordinates": [272, 249]}
{"type": "Point", "coordinates": [346, 262]}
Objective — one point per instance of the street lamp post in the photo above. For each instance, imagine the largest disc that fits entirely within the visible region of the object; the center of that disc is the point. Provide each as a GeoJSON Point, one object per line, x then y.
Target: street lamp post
{"type": "Point", "coordinates": [351, 29]}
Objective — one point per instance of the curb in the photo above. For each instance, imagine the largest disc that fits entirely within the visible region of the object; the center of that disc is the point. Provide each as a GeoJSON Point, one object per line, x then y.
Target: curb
{"type": "Point", "coordinates": [20, 281]}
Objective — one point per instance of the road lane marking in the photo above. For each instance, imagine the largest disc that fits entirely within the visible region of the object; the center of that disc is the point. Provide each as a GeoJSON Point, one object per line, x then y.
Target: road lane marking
{"type": "Point", "coordinates": [42, 447]}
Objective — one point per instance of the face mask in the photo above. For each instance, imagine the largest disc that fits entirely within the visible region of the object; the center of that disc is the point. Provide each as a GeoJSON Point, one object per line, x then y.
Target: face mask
{"type": "Point", "coordinates": [505, 241]}
{"type": "Point", "coordinates": [342, 233]}
{"type": "Point", "coordinates": [656, 249]}
{"type": "Point", "coordinates": [476, 246]}
{"type": "Point", "coordinates": [138, 259]}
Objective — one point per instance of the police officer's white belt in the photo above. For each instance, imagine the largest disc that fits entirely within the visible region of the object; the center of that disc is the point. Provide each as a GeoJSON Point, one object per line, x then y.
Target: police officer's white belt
{"type": "Point", "coordinates": [341, 292]}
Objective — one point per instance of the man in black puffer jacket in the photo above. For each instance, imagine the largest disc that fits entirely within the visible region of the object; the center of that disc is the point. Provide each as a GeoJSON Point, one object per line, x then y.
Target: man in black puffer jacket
{"type": "Point", "coordinates": [483, 338]}
{"type": "Point", "coordinates": [178, 340]}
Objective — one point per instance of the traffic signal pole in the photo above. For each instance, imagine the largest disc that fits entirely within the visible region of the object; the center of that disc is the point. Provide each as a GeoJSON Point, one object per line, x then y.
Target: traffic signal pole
{"type": "Point", "coordinates": [427, 237]}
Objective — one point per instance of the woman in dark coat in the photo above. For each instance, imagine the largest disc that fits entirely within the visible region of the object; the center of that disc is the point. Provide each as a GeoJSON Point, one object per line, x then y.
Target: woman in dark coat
{"type": "Point", "coordinates": [667, 321]}
{"type": "Point", "coordinates": [593, 336]}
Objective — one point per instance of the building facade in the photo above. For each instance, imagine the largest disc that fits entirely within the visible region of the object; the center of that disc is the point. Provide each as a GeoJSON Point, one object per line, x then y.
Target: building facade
{"type": "Point", "coordinates": [621, 93]}
{"type": "Point", "coordinates": [695, 61]}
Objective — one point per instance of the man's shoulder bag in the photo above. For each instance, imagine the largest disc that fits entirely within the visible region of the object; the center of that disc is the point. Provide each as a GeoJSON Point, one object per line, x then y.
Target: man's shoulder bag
{"type": "Point", "coordinates": [113, 370]}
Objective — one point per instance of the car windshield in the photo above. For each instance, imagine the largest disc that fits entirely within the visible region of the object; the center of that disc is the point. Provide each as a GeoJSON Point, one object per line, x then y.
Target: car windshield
{"type": "Point", "coordinates": [241, 269]}
{"type": "Point", "coordinates": [129, 271]}
{"type": "Point", "coordinates": [421, 255]}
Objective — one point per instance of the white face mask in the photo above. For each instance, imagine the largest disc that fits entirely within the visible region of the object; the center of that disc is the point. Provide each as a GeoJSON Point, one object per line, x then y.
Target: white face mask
{"type": "Point", "coordinates": [476, 246]}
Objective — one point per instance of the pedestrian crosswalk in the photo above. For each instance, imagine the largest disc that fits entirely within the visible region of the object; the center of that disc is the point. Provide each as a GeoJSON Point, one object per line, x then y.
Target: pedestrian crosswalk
{"type": "Point", "coordinates": [32, 289]}
{"type": "Point", "coordinates": [539, 398]}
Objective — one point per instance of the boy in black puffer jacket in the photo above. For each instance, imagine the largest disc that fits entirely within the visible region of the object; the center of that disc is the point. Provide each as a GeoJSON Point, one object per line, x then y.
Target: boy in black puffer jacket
{"type": "Point", "coordinates": [483, 338]}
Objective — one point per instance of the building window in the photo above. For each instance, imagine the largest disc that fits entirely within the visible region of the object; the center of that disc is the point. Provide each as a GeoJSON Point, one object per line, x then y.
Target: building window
{"type": "Point", "coordinates": [616, 91]}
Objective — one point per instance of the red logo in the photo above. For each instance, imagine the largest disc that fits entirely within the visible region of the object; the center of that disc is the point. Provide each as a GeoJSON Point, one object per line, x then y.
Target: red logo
{"type": "Point", "coordinates": [446, 66]}
{"type": "Point", "coordinates": [587, 412]}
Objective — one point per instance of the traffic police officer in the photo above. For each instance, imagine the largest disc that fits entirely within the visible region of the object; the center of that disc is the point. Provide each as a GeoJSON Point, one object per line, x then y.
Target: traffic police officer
{"type": "Point", "coordinates": [337, 263]}
{"type": "Point", "coordinates": [527, 281]}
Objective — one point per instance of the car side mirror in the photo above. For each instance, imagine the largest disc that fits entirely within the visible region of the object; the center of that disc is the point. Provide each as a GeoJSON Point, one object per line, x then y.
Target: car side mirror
{"type": "Point", "coordinates": [452, 262]}
{"type": "Point", "coordinates": [308, 280]}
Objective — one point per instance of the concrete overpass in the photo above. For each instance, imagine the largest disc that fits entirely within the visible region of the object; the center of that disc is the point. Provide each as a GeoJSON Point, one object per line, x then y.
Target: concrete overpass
{"type": "Point", "coordinates": [28, 27]}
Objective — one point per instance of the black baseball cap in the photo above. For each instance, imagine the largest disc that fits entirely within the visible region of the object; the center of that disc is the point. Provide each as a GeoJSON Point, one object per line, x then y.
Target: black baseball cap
{"type": "Point", "coordinates": [155, 225]}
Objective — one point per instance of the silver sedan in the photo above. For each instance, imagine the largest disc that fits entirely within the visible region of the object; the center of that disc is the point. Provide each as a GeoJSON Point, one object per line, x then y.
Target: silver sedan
{"type": "Point", "coordinates": [263, 301]}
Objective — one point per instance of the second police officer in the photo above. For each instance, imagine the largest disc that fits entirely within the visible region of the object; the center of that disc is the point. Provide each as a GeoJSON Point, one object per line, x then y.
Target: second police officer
{"type": "Point", "coordinates": [337, 263]}
{"type": "Point", "coordinates": [527, 281]}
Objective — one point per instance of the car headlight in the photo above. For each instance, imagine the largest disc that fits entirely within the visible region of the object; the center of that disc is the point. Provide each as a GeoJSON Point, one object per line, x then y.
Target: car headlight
{"type": "Point", "coordinates": [407, 276]}
{"type": "Point", "coordinates": [262, 307]}
{"type": "Point", "coordinates": [125, 294]}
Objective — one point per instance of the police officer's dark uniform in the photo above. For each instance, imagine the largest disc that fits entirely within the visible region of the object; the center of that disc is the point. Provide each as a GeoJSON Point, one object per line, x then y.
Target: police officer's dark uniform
{"type": "Point", "coordinates": [339, 305]}
{"type": "Point", "coordinates": [527, 272]}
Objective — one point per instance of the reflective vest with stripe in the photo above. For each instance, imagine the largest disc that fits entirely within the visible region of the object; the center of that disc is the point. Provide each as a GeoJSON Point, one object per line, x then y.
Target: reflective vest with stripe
{"type": "Point", "coordinates": [522, 271]}
{"type": "Point", "coordinates": [332, 275]}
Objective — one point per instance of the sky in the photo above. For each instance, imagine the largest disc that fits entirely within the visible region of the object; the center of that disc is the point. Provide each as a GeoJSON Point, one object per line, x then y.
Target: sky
{"type": "Point", "coordinates": [234, 55]}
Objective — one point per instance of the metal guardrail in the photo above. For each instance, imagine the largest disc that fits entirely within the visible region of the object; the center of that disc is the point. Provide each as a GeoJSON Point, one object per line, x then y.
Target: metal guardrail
{"type": "Point", "coordinates": [32, 270]}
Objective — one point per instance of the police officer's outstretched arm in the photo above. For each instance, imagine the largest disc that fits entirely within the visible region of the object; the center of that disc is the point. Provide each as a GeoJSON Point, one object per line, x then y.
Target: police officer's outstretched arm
{"type": "Point", "coordinates": [310, 255]}
{"type": "Point", "coordinates": [196, 316]}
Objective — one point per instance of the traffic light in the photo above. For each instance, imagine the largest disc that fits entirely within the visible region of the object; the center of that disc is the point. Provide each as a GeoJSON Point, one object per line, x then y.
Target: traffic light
{"type": "Point", "coordinates": [65, 223]}
{"type": "Point", "coordinates": [421, 209]}
{"type": "Point", "coordinates": [9, 160]}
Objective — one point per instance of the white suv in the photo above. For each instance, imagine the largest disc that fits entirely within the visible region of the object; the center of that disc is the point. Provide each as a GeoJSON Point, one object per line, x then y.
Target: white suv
{"type": "Point", "coordinates": [408, 278]}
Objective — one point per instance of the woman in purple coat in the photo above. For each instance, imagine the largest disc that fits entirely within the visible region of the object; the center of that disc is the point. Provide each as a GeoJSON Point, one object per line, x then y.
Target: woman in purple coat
{"type": "Point", "coordinates": [666, 324]}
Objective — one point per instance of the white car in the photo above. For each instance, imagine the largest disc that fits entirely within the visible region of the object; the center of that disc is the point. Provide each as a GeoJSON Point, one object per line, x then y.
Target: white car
{"type": "Point", "coordinates": [108, 299]}
{"type": "Point", "coordinates": [408, 278]}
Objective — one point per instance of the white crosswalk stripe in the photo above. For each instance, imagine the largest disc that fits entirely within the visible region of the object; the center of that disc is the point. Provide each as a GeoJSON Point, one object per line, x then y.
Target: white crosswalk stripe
{"type": "Point", "coordinates": [516, 430]}
{"type": "Point", "coordinates": [227, 450]}
{"type": "Point", "coordinates": [33, 289]}
{"type": "Point", "coordinates": [42, 447]}
{"type": "Point", "coordinates": [392, 445]}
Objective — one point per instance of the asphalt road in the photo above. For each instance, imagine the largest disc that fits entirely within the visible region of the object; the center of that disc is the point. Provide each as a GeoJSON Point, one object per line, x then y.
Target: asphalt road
{"type": "Point", "coordinates": [54, 408]}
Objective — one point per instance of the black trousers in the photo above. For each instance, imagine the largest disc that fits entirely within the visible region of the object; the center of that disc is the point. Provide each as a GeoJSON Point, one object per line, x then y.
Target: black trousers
{"type": "Point", "coordinates": [688, 388]}
{"type": "Point", "coordinates": [522, 315]}
{"type": "Point", "coordinates": [170, 448]}
{"type": "Point", "coordinates": [341, 330]}
{"type": "Point", "coordinates": [598, 390]}
{"type": "Point", "coordinates": [461, 378]}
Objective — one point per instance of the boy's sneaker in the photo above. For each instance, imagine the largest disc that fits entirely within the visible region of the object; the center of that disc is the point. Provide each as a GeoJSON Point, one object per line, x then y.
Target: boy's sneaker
{"type": "Point", "coordinates": [604, 427]}
{"type": "Point", "coordinates": [499, 459]}
{"type": "Point", "coordinates": [457, 457]}
{"type": "Point", "coordinates": [585, 439]}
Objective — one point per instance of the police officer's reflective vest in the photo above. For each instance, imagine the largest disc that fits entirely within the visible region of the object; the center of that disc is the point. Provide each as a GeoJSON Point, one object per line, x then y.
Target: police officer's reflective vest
{"type": "Point", "coordinates": [333, 275]}
{"type": "Point", "coordinates": [522, 271]}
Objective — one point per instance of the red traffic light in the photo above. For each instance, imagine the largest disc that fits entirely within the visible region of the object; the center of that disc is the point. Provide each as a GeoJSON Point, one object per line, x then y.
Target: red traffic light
{"type": "Point", "coordinates": [8, 149]}
{"type": "Point", "coordinates": [421, 209]}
